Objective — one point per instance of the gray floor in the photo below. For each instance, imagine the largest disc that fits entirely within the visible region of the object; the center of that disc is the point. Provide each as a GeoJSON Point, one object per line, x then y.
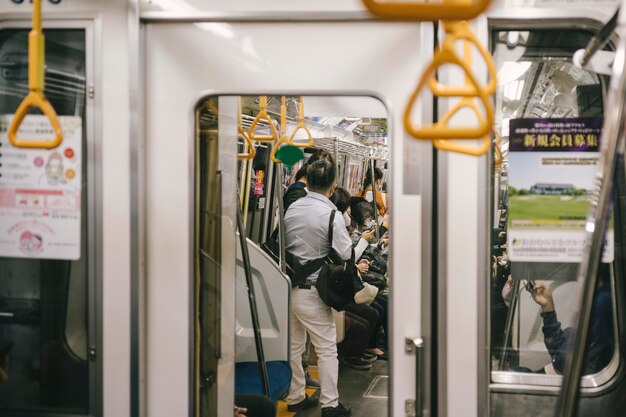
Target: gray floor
{"type": "Point", "coordinates": [365, 391]}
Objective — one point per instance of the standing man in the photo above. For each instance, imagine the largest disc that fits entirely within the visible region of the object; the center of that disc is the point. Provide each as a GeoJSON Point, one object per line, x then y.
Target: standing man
{"type": "Point", "coordinates": [306, 237]}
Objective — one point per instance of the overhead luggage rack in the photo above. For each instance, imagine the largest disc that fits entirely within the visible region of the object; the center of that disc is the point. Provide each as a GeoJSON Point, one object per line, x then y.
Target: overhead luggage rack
{"type": "Point", "coordinates": [378, 152]}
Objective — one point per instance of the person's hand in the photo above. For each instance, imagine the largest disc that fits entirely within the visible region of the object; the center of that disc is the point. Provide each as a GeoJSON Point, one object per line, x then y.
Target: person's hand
{"type": "Point", "coordinates": [509, 281]}
{"type": "Point", "coordinates": [240, 412]}
{"type": "Point", "coordinates": [384, 240]}
{"type": "Point", "coordinates": [363, 266]}
{"type": "Point", "coordinates": [501, 234]}
{"type": "Point", "coordinates": [542, 295]}
{"type": "Point", "coordinates": [368, 235]}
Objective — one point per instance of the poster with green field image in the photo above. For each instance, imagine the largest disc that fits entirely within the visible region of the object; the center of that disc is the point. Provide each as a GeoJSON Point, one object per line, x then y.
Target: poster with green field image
{"type": "Point", "coordinates": [552, 167]}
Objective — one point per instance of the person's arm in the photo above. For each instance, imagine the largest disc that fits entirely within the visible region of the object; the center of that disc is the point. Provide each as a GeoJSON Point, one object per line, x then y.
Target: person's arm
{"type": "Point", "coordinates": [553, 335]}
{"type": "Point", "coordinates": [342, 242]}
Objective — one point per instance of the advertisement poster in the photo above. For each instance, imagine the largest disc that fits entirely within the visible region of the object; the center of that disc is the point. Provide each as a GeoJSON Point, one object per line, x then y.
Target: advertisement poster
{"type": "Point", "coordinates": [552, 167]}
{"type": "Point", "coordinates": [259, 182]}
{"type": "Point", "coordinates": [40, 191]}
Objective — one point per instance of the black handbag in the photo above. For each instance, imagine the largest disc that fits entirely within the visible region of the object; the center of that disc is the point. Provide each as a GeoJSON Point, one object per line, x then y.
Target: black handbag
{"type": "Point", "coordinates": [338, 280]}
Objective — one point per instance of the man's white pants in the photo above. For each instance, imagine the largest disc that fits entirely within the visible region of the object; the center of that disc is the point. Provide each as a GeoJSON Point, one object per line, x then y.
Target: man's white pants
{"type": "Point", "coordinates": [310, 314]}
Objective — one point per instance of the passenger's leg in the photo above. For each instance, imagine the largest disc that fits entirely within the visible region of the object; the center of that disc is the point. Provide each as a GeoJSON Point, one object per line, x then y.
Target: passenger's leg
{"type": "Point", "coordinates": [318, 320]}
{"type": "Point", "coordinates": [298, 337]}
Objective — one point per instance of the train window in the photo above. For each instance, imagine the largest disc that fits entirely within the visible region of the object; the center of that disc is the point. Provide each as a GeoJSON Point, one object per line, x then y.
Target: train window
{"type": "Point", "coordinates": [548, 126]}
{"type": "Point", "coordinates": [351, 135]}
{"type": "Point", "coordinates": [44, 301]}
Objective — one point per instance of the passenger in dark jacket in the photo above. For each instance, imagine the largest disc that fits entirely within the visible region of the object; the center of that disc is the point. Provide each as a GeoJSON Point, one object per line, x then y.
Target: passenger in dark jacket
{"type": "Point", "coordinates": [560, 342]}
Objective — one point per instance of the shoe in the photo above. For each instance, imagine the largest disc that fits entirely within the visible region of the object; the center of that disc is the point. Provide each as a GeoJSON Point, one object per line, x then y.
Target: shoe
{"type": "Point", "coordinates": [376, 351]}
{"type": "Point", "coordinates": [308, 402]}
{"type": "Point", "coordinates": [310, 382]}
{"type": "Point", "coordinates": [369, 357]}
{"type": "Point", "coordinates": [339, 411]}
{"type": "Point", "coordinates": [356, 363]}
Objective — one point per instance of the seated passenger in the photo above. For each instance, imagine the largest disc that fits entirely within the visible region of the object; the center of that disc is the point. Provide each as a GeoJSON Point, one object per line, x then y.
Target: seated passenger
{"type": "Point", "coordinates": [366, 193]}
{"type": "Point", "coordinates": [306, 237]}
{"type": "Point", "coordinates": [560, 342]}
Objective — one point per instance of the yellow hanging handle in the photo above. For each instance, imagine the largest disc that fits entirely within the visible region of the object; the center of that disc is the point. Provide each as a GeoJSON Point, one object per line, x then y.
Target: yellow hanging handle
{"type": "Point", "coordinates": [262, 115]}
{"type": "Point", "coordinates": [471, 93]}
{"type": "Point", "coordinates": [35, 97]}
{"type": "Point", "coordinates": [444, 10]}
{"type": "Point", "coordinates": [283, 130]}
{"type": "Point", "coordinates": [302, 126]}
{"type": "Point", "coordinates": [247, 142]}
{"type": "Point", "coordinates": [462, 31]}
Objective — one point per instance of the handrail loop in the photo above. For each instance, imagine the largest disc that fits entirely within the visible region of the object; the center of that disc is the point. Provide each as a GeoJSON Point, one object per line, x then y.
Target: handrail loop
{"type": "Point", "coordinates": [262, 115]}
{"type": "Point", "coordinates": [35, 97]}
{"type": "Point", "coordinates": [283, 131]}
{"type": "Point", "coordinates": [299, 126]}
{"type": "Point", "coordinates": [445, 10]}
{"type": "Point", "coordinates": [462, 31]}
{"type": "Point", "coordinates": [251, 152]}
{"type": "Point", "coordinates": [471, 92]}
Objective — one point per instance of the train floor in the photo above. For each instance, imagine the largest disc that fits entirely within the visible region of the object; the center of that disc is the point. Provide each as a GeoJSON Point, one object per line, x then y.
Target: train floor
{"type": "Point", "coordinates": [365, 391]}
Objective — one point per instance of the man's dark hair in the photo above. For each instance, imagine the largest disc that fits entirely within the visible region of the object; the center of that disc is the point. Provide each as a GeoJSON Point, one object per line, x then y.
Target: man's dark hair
{"type": "Point", "coordinates": [378, 175]}
{"type": "Point", "coordinates": [321, 175]}
{"type": "Point", "coordinates": [341, 199]}
{"type": "Point", "coordinates": [319, 155]}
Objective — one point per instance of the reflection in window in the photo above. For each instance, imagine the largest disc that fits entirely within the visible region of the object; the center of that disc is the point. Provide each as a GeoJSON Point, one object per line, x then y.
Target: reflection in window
{"type": "Point", "coordinates": [532, 300]}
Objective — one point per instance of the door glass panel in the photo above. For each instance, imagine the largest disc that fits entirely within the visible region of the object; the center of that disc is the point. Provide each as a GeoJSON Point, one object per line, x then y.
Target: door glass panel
{"type": "Point", "coordinates": [44, 303]}
{"type": "Point", "coordinates": [351, 134]}
{"type": "Point", "coordinates": [548, 120]}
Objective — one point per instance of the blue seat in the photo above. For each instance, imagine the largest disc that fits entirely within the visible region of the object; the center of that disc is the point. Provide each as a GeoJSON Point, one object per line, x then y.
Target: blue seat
{"type": "Point", "coordinates": [248, 378]}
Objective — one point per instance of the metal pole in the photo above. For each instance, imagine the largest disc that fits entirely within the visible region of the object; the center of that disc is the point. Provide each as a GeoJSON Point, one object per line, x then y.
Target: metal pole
{"type": "Point", "coordinates": [595, 226]}
{"type": "Point", "coordinates": [601, 39]}
{"type": "Point", "coordinates": [504, 352]}
{"type": "Point", "coordinates": [258, 341]}
{"type": "Point", "coordinates": [281, 222]}
{"type": "Point", "coordinates": [373, 184]}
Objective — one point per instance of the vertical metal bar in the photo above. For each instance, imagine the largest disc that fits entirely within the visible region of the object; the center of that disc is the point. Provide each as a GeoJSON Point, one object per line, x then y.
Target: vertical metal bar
{"type": "Point", "coordinates": [416, 346]}
{"type": "Point", "coordinates": [336, 155]}
{"type": "Point", "coordinates": [256, 326]}
{"type": "Point", "coordinates": [281, 216]}
{"type": "Point", "coordinates": [595, 226]}
{"type": "Point", "coordinates": [374, 205]}
{"type": "Point", "coordinates": [269, 184]}
{"type": "Point", "coordinates": [504, 351]}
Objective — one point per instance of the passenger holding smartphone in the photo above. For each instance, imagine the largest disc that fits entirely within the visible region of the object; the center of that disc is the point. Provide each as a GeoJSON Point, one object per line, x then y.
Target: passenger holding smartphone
{"type": "Point", "coordinates": [560, 342]}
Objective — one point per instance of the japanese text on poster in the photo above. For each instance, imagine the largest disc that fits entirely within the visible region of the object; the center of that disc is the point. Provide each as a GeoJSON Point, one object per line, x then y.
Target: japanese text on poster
{"type": "Point", "coordinates": [552, 167]}
{"type": "Point", "coordinates": [40, 191]}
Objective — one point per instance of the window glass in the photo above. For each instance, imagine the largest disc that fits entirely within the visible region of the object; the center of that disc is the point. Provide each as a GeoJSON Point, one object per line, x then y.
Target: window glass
{"type": "Point", "coordinates": [548, 124]}
{"type": "Point", "coordinates": [44, 302]}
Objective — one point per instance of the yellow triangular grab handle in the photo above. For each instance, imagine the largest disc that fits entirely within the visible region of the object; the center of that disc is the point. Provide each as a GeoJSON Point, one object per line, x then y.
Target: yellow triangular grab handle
{"type": "Point", "coordinates": [452, 146]}
{"type": "Point", "coordinates": [462, 31]}
{"type": "Point", "coordinates": [247, 142]}
{"type": "Point", "coordinates": [445, 10]}
{"type": "Point", "coordinates": [283, 130]}
{"type": "Point", "coordinates": [439, 130]}
{"type": "Point", "coordinates": [302, 126]}
{"type": "Point", "coordinates": [262, 115]}
{"type": "Point", "coordinates": [35, 97]}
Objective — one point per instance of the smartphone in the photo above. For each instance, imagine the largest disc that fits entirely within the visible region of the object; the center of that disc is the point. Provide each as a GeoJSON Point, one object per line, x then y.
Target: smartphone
{"type": "Point", "coordinates": [530, 285]}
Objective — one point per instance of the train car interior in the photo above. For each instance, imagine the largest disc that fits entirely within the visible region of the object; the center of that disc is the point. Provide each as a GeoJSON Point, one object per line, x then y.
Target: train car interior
{"type": "Point", "coordinates": [161, 247]}
{"type": "Point", "coordinates": [353, 131]}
